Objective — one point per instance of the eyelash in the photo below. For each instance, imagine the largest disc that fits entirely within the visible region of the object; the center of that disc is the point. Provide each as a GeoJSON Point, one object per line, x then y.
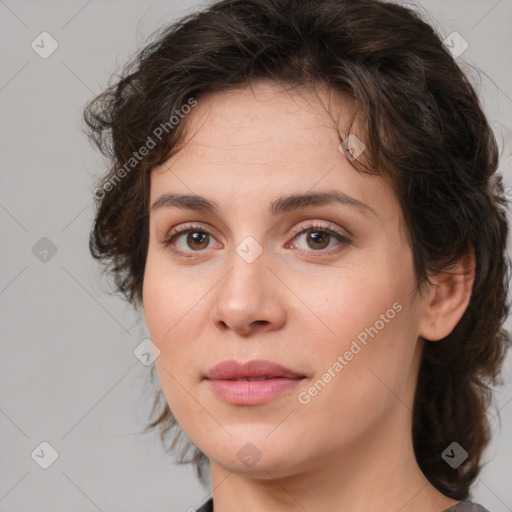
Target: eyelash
{"type": "Point", "coordinates": [192, 228]}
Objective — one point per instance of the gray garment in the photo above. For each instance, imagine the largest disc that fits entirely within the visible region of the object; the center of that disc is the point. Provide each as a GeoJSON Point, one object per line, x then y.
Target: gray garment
{"type": "Point", "coordinates": [466, 506]}
{"type": "Point", "coordinates": [463, 506]}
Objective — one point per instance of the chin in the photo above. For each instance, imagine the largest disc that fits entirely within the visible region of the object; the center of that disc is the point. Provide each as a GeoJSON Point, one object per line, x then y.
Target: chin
{"type": "Point", "coordinates": [254, 464]}
{"type": "Point", "coordinates": [254, 454]}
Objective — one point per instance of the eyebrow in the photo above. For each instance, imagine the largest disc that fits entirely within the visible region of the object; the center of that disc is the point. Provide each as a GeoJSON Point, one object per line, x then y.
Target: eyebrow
{"type": "Point", "coordinates": [279, 206]}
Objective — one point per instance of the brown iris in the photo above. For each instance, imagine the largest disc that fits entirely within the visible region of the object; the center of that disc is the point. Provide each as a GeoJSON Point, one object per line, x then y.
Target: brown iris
{"type": "Point", "coordinates": [320, 239]}
{"type": "Point", "coordinates": [198, 237]}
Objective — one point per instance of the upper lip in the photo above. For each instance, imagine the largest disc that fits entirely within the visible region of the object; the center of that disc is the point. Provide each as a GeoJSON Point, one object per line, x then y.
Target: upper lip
{"type": "Point", "coordinates": [232, 370]}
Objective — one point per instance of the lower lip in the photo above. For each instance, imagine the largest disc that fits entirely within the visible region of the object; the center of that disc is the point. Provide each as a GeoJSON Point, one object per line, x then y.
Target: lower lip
{"type": "Point", "coordinates": [245, 392]}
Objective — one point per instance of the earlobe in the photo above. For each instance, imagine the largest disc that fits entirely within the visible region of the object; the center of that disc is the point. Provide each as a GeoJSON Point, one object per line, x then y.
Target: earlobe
{"type": "Point", "coordinates": [448, 299]}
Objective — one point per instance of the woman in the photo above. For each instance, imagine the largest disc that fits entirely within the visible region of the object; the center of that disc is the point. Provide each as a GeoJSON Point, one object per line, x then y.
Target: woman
{"type": "Point", "coordinates": [303, 199]}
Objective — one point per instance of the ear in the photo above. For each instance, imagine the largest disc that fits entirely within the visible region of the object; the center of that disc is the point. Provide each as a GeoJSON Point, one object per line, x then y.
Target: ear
{"type": "Point", "coordinates": [447, 299]}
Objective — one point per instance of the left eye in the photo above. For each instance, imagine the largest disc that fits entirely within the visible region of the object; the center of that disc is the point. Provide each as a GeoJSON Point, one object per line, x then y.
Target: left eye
{"type": "Point", "coordinates": [319, 238]}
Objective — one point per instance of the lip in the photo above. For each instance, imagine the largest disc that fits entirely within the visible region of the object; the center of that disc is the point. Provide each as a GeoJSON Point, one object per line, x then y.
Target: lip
{"type": "Point", "coordinates": [228, 381]}
{"type": "Point", "coordinates": [256, 368]}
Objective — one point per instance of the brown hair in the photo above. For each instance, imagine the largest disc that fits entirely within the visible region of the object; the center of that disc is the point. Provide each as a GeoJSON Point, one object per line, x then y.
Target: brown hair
{"type": "Point", "coordinates": [423, 128]}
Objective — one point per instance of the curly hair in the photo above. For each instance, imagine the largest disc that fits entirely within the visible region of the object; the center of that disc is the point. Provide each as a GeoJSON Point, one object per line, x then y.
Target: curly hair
{"type": "Point", "coordinates": [424, 129]}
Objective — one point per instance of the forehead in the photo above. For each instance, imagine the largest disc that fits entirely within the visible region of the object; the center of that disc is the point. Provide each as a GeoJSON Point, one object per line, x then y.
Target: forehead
{"type": "Point", "coordinates": [255, 143]}
{"type": "Point", "coordinates": [262, 117]}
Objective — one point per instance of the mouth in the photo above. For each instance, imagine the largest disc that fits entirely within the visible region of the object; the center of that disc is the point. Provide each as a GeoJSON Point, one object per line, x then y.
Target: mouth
{"type": "Point", "coordinates": [254, 382]}
{"type": "Point", "coordinates": [253, 379]}
{"type": "Point", "coordinates": [254, 370]}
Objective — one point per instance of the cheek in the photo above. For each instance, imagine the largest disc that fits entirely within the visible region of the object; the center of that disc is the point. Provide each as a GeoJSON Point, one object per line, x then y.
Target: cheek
{"type": "Point", "coordinates": [166, 298]}
{"type": "Point", "coordinates": [166, 318]}
{"type": "Point", "coordinates": [356, 303]}
{"type": "Point", "coordinates": [174, 310]}
{"type": "Point", "coordinates": [162, 311]}
{"type": "Point", "coordinates": [158, 306]}
{"type": "Point", "coordinates": [359, 295]}
{"type": "Point", "coordinates": [364, 373]}
{"type": "Point", "coordinates": [372, 320]}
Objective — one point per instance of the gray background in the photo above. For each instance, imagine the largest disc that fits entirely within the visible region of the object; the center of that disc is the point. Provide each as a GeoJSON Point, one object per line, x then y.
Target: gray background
{"type": "Point", "coordinates": [69, 375]}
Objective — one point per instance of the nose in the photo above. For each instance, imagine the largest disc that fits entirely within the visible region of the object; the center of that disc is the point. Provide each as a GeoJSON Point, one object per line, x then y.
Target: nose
{"type": "Point", "coordinates": [248, 299]}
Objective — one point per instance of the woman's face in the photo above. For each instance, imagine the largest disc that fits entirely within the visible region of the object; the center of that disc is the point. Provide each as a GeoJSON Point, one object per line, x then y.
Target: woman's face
{"type": "Point", "coordinates": [267, 269]}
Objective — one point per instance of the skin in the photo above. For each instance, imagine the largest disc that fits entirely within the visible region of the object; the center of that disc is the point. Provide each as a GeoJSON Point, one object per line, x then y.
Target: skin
{"type": "Point", "coordinates": [297, 304]}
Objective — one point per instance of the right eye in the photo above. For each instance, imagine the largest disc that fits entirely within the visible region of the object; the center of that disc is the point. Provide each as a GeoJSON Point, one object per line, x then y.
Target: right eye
{"type": "Point", "coordinates": [196, 240]}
